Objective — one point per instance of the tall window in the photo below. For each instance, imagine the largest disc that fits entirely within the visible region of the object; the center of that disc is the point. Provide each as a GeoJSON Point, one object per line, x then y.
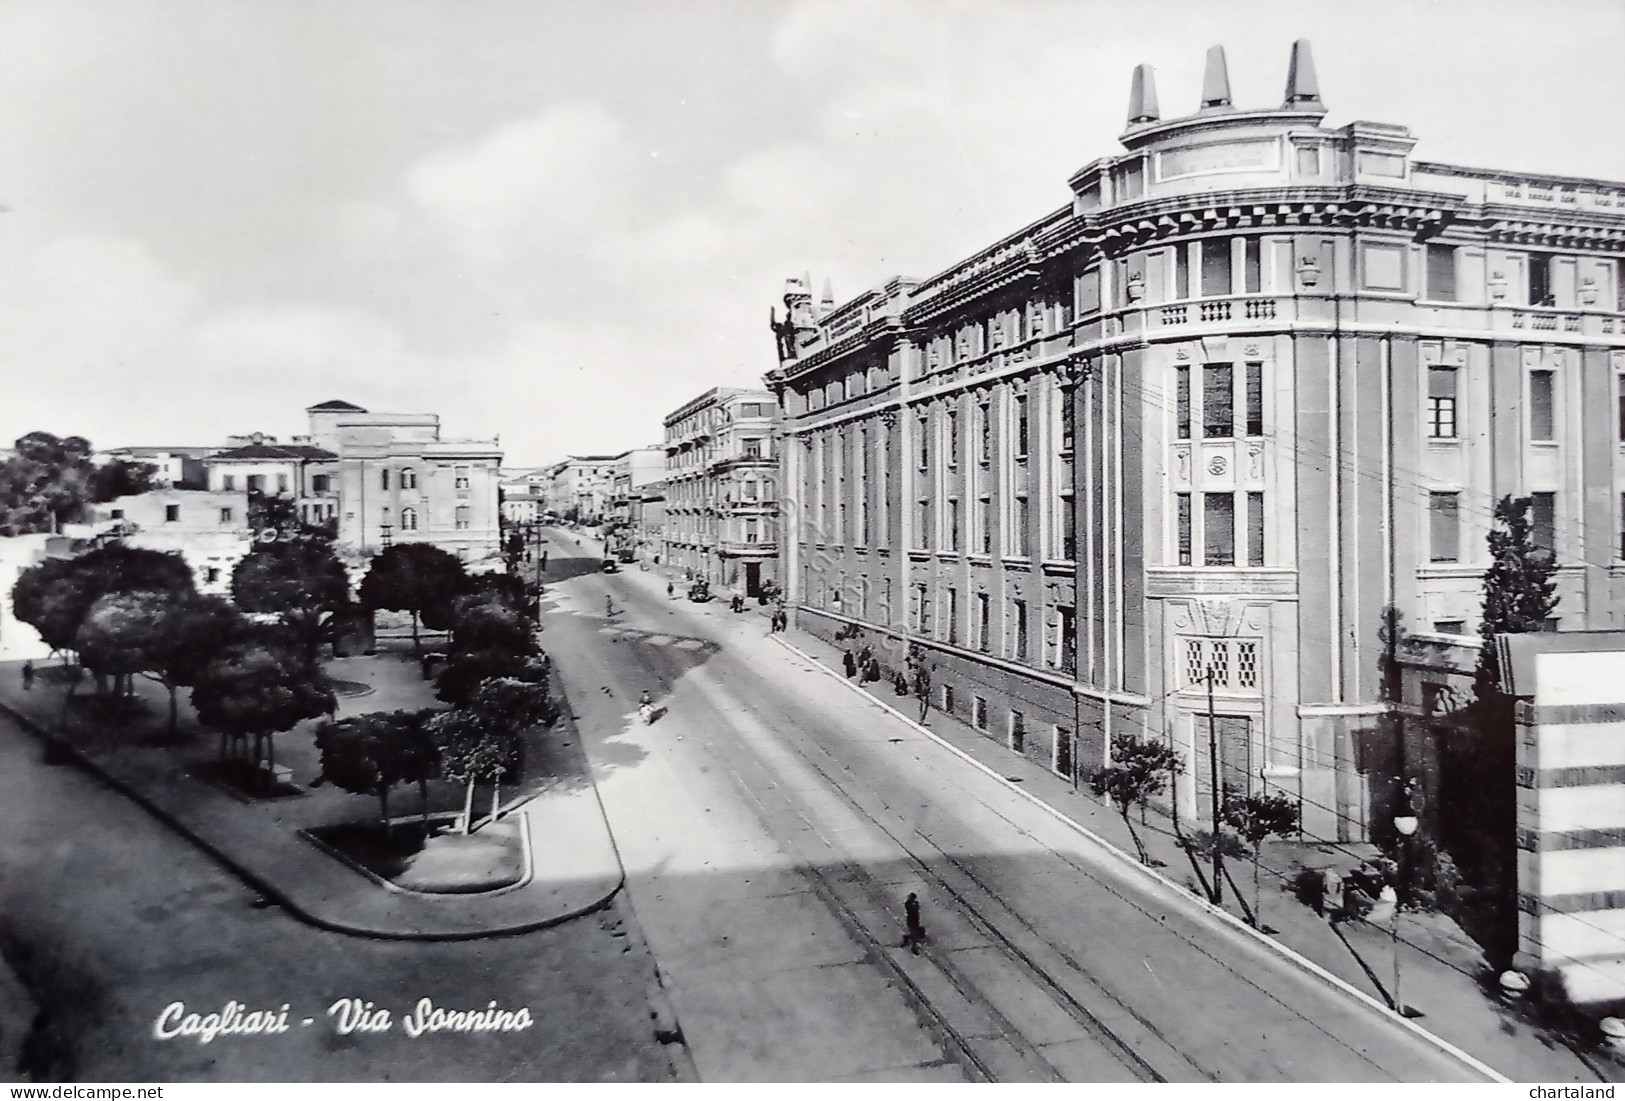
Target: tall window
{"type": "Point", "coordinates": [409, 519]}
{"type": "Point", "coordinates": [1068, 418]}
{"type": "Point", "coordinates": [1182, 382]}
{"type": "Point", "coordinates": [462, 517]}
{"type": "Point", "coordinates": [922, 609]}
{"type": "Point", "coordinates": [983, 623]}
{"type": "Point", "coordinates": [1019, 611]}
{"type": "Point", "coordinates": [1620, 383]}
{"type": "Point", "coordinates": [172, 514]}
{"type": "Point", "coordinates": [922, 425]}
{"type": "Point", "coordinates": [1218, 529]}
{"type": "Point", "coordinates": [256, 483]}
{"type": "Point", "coordinates": [953, 616]}
{"type": "Point", "coordinates": [228, 482]}
{"type": "Point", "coordinates": [225, 516]}
{"type": "Point", "coordinates": [282, 483]}
{"type": "Point", "coordinates": [1254, 266]}
{"type": "Point", "coordinates": [984, 432]}
{"type": "Point", "coordinates": [1069, 529]}
{"type": "Point", "coordinates": [751, 447]}
{"type": "Point", "coordinates": [409, 478]}
{"type": "Point", "coordinates": [1255, 399]}
{"type": "Point", "coordinates": [1441, 273]}
{"type": "Point", "coordinates": [1067, 641]}
{"type": "Point", "coordinates": [1021, 426]}
{"type": "Point", "coordinates": [1255, 529]}
{"type": "Point", "coordinates": [1442, 403]}
{"type": "Point", "coordinates": [383, 478]}
{"type": "Point", "coordinates": [984, 522]}
{"type": "Point", "coordinates": [978, 711]}
{"type": "Point", "coordinates": [1542, 420]}
{"type": "Point", "coordinates": [953, 437]}
{"type": "Point", "coordinates": [1182, 271]}
{"type": "Point", "coordinates": [1218, 401]}
{"type": "Point", "coordinates": [1543, 520]}
{"type": "Point", "coordinates": [1019, 543]}
{"type": "Point", "coordinates": [1018, 731]}
{"type": "Point", "coordinates": [1182, 503]}
{"type": "Point", "coordinates": [1540, 280]}
{"type": "Point", "coordinates": [1063, 750]}
{"type": "Point", "coordinates": [1215, 267]}
{"type": "Point", "coordinates": [460, 478]}
{"type": "Point", "coordinates": [922, 532]}
{"type": "Point", "coordinates": [1444, 527]}
{"type": "Point", "coordinates": [953, 523]}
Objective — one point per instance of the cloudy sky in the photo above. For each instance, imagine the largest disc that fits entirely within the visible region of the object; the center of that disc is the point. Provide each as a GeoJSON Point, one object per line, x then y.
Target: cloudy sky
{"type": "Point", "coordinates": [556, 221]}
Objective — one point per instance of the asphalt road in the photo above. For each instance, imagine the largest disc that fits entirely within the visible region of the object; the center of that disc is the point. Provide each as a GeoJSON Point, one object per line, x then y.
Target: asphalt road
{"type": "Point", "coordinates": [772, 821]}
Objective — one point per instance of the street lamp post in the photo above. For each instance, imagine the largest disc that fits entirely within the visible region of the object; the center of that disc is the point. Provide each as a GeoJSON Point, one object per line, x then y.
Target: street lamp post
{"type": "Point", "coordinates": [1405, 823]}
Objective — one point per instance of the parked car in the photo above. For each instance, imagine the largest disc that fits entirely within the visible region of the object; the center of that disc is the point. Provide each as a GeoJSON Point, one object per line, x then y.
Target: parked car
{"type": "Point", "coordinates": [700, 592]}
{"type": "Point", "coordinates": [610, 566]}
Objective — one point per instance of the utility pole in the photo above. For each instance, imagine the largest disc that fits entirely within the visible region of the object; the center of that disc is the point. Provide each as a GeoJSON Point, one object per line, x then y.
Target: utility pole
{"type": "Point", "coordinates": [1213, 766]}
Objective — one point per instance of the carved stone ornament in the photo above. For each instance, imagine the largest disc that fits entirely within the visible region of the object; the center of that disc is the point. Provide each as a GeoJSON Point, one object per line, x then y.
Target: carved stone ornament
{"type": "Point", "coordinates": [1213, 615]}
{"type": "Point", "coordinates": [888, 417]}
{"type": "Point", "coordinates": [1252, 350]}
{"type": "Point", "coordinates": [1183, 458]}
{"type": "Point", "coordinates": [1255, 461]}
{"type": "Point", "coordinates": [1182, 353]}
{"type": "Point", "coordinates": [933, 357]}
{"type": "Point", "coordinates": [1308, 271]}
{"type": "Point", "coordinates": [1216, 465]}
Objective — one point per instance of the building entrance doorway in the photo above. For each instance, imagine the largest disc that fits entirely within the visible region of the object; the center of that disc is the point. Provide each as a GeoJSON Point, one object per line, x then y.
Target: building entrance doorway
{"type": "Point", "coordinates": [1235, 770]}
{"type": "Point", "coordinates": [753, 579]}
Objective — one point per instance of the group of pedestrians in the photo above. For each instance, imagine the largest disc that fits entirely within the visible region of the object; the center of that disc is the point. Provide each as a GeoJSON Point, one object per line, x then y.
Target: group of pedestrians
{"type": "Point", "coordinates": [863, 665]}
{"type": "Point", "coordinates": [778, 621]}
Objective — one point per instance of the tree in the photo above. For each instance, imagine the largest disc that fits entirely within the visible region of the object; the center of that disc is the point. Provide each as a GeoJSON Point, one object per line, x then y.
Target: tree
{"type": "Point", "coordinates": [1479, 797]}
{"type": "Point", "coordinates": [415, 578]}
{"type": "Point", "coordinates": [299, 580]}
{"type": "Point", "coordinates": [369, 754]}
{"type": "Point", "coordinates": [44, 483]}
{"type": "Point", "coordinates": [1256, 818]}
{"type": "Point", "coordinates": [482, 739]}
{"type": "Point", "coordinates": [1140, 769]}
{"type": "Point", "coordinates": [54, 596]}
{"type": "Point", "coordinates": [260, 685]}
{"type": "Point", "coordinates": [195, 629]}
{"type": "Point", "coordinates": [120, 478]}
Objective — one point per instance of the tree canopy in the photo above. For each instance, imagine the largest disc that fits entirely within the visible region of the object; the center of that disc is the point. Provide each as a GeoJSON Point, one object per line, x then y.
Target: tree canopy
{"type": "Point", "coordinates": [1140, 769]}
{"type": "Point", "coordinates": [299, 580]}
{"type": "Point", "coordinates": [48, 481]}
{"type": "Point", "coordinates": [55, 595]}
{"type": "Point", "coordinates": [369, 754]}
{"type": "Point", "coordinates": [259, 685]}
{"type": "Point", "coordinates": [414, 577]}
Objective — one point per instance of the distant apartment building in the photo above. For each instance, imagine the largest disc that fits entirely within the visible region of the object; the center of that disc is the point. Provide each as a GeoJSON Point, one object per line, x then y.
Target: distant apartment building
{"type": "Point", "coordinates": [1187, 437]}
{"type": "Point", "coordinates": [524, 494]}
{"type": "Point", "coordinates": [399, 480]}
{"type": "Point", "coordinates": [257, 465]}
{"type": "Point", "coordinates": [173, 466]}
{"type": "Point", "coordinates": [721, 499]}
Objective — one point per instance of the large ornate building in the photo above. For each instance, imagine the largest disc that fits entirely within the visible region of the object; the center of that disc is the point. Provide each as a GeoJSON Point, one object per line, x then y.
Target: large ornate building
{"type": "Point", "coordinates": [721, 502]}
{"type": "Point", "coordinates": [1256, 382]}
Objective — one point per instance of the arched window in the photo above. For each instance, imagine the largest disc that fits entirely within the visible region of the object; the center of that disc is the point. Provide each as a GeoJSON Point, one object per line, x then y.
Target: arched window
{"type": "Point", "coordinates": [409, 519]}
{"type": "Point", "coordinates": [409, 478]}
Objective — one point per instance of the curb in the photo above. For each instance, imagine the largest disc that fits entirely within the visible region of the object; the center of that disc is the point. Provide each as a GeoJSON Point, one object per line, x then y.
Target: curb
{"type": "Point", "coordinates": [270, 890]}
{"type": "Point", "coordinates": [1302, 962]}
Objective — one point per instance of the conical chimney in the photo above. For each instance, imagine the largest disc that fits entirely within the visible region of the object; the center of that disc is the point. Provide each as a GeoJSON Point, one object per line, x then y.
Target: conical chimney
{"type": "Point", "coordinates": [1216, 80]}
{"type": "Point", "coordinates": [1142, 97]}
{"type": "Point", "coordinates": [827, 302]}
{"type": "Point", "coordinates": [1302, 90]}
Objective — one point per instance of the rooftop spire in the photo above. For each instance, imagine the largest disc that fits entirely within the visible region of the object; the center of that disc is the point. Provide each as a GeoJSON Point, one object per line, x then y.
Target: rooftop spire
{"type": "Point", "coordinates": [1302, 90]}
{"type": "Point", "coordinates": [1142, 97]}
{"type": "Point", "coordinates": [1216, 81]}
{"type": "Point", "coordinates": [827, 300]}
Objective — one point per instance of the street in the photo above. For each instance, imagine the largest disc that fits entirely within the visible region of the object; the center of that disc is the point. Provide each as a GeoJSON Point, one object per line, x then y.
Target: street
{"type": "Point", "coordinates": [772, 822]}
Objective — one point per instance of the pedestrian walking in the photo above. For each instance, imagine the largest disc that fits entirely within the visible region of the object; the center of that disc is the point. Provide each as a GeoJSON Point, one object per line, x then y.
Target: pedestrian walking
{"type": "Point", "coordinates": [28, 676]}
{"type": "Point", "coordinates": [913, 930]}
{"type": "Point", "coordinates": [609, 607]}
{"type": "Point", "coordinates": [872, 674]}
{"type": "Point", "coordinates": [671, 591]}
{"type": "Point", "coordinates": [849, 663]}
{"type": "Point", "coordinates": [1331, 893]}
{"type": "Point", "coordinates": [544, 560]}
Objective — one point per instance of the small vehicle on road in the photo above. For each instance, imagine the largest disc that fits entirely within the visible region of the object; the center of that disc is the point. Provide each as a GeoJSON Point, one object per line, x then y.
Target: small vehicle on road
{"type": "Point", "coordinates": [611, 566]}
{"type": "Point", "coordinates": [700, 592]}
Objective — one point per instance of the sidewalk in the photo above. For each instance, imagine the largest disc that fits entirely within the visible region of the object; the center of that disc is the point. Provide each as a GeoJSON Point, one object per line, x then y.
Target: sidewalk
{"type": "Point", "coordinates": [1439, 967]}
{"type": "Point", "coordinates": [260, 840]}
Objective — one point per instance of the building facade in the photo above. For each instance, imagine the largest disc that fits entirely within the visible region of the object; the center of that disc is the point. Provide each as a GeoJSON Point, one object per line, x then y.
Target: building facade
{"type": "Point", "coordinates": [259, 466]}
{"type": "Point", "coordinates": [174, 466]}
{"type": "Point", "coordinates": [209, 529]}
{"type": "Point", "coordinates": [523, 495]}
{"type": "Point", "coordinates": [398, 480]}
{"type": "Point", "coordinates": [1191, 435]}
{"type": "Point", "coordinates": [721, 489]}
